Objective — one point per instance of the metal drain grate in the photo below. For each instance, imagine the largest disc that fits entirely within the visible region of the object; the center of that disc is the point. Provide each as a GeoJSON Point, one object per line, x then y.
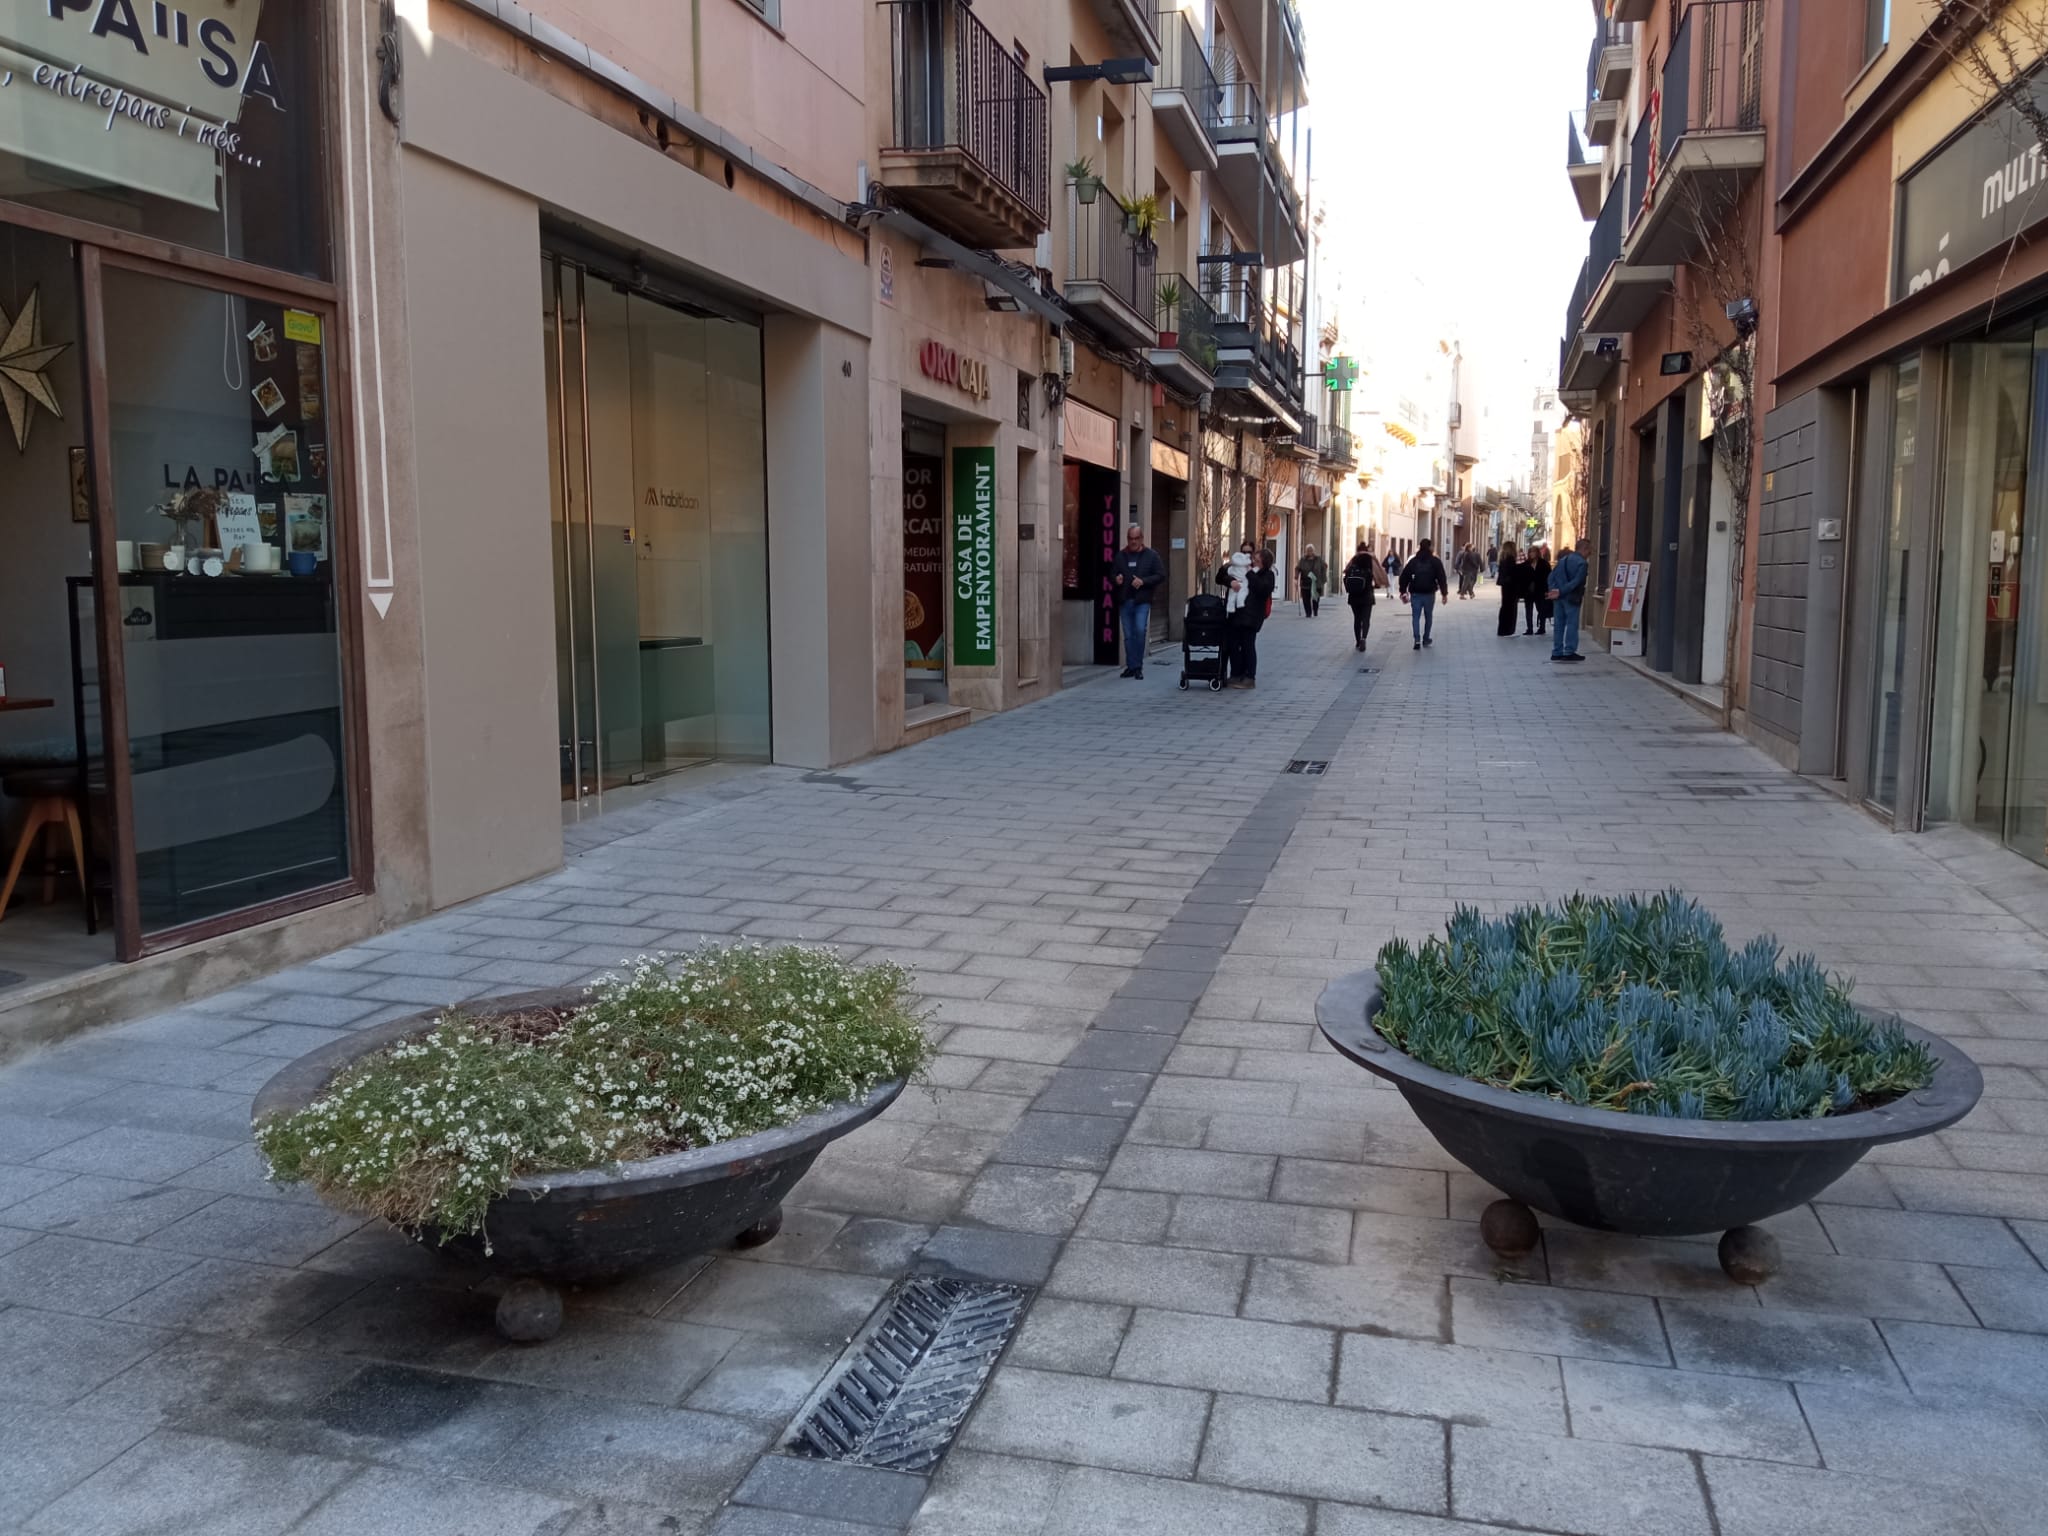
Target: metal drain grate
{"type": "Point", "coordinates": [900, 1399]}
{"type": "Point", "coordinates": [1308, 765]}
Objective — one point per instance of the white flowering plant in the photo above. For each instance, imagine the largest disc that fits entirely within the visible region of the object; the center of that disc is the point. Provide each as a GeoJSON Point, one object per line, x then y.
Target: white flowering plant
{"type": "Point", "coordinates": [673, 1053]}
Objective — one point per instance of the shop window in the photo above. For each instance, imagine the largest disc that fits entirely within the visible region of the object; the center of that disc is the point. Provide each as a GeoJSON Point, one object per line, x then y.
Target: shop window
{"type": "Point", "coordinates": [769, 11]}
{"type": "Point", "coordinates": [198, 123]}
{"type": "Point", "coordinates": [1888, 712]}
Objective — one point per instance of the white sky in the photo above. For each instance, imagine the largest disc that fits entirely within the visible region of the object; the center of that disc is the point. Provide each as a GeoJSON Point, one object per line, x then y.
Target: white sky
{"type": "Point", "coordinates": [1440, 163]}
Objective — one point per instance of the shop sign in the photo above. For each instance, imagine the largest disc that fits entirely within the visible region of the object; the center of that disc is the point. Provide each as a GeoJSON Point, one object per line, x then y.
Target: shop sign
{"type": "Point", "coordinates": [1969, 197]}
{"type": "Point", "coordinates": [1170, 462]}
{"type": "Point", "coordinates": [134, 93]}
{"type": "Point", "coordinates": [885, 273]}
{"type": "Point", "coordinates": [1280, 496]}
{"type": "Point", "coordinates": [974, 557]}
{"type": "Point", "coordinates": [924, 565]}
{"type": "Point", "coordinates": [965, 374]}
{"type": "Point", "coordinates": [1255, 458]}
{"type": "Point", "coordinates": [1091, 436]}
{"type": "Point", "coordinates": [1219, 448]}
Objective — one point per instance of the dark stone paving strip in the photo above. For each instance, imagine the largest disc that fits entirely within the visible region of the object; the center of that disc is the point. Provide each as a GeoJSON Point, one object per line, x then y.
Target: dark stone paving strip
{"type": "Point", "coordinates": [1079, 1120]}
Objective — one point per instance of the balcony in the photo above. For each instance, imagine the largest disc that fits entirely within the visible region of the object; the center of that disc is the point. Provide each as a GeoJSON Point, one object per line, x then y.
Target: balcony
{"type": "Point", "coordinates": [1630, 10]}
{"type": "Point", "coordinates": [1109, 271]}
{"type": "Point", "coordinates": [1254, 176]}
{"type": "Point", "coordinates": [1186, 99]}
{"type": "Point", "coordinates": [1189, 365]}
{"type": "Point", "coordinates": [1623, 290]}
{"type": "Point", "coordinates": [1339, 452]}
{"type": "Point", "coordinates": [1305, 442]}
{"type": "Point", "coordinates": [1614, 62]}
{"type": "Point", "coordinates": [1707, 141]}
{"type": "Point", "coordinates": [1129, 23]}
{"type": "Point", "coordinates": [1603, 122]}
{"type": "Point", "coordinates": [969, 153]}
{"type": "Point", "coordinates": [1584, 361]}
{"type": "Point", "coordinates": [1585, 174]}
{"type": "Point", "coordinates": [1257, 357]}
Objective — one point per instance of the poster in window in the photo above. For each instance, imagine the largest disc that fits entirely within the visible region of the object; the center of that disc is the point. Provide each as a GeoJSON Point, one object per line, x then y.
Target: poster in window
{"type": "Point", "coordinates": [924, 565]}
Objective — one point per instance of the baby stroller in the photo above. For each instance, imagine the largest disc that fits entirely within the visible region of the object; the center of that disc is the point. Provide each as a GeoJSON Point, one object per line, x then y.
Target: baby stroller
{"type": "Point", "coordinates": [1202, 641]}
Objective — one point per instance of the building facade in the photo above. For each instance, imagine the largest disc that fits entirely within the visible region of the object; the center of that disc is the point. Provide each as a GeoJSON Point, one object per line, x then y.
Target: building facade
{"type": "Point", "coordinates": [452, 417]}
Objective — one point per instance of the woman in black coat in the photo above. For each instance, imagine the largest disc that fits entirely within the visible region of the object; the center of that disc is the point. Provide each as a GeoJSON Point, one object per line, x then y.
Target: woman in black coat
{"type": "Point", "coordinates": [1535, 606]}
{"type": "Point", "coordinates": [1514, 579]}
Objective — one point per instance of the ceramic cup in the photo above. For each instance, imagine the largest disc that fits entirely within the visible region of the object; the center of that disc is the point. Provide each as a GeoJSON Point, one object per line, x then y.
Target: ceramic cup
{"type": "Point", "coordinates": [124, 555]}
{"type": "Point", "coordinates": [174, 559]}
{"type": "Point", "coordinates": [303, 562]}
{"type": "Point", "coordinates": [260, 559]}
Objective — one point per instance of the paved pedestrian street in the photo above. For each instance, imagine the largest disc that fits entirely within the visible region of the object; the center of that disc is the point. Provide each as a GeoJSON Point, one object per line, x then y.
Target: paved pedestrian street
{"type": "Point", "coordinates": [1261, 1304]}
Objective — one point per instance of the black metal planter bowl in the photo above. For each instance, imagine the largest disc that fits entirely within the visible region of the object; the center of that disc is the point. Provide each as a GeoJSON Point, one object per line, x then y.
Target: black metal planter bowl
{"type": "Point", "coordinates": [1633, 1174]}
{"type": "Point", "coordinates": [596, 1225]}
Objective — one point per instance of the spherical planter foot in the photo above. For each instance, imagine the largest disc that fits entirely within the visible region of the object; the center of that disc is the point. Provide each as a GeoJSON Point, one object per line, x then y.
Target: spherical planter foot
{"type": "Point", "coordinates": [1509, 1228]}
{"type": "Point", "coordinates": [530, 1312]}
{"type": "Point", "coordinates": [762, 1231]}
{"type": "Point", "coordinates": [1749, 1255]}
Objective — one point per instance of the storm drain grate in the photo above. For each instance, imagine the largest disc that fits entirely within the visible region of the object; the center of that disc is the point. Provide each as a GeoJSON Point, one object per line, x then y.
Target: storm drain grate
{"type": "Point", "coordinates": [898, 1402]}
{"type": "Point", "coordinates": [1308, 765]}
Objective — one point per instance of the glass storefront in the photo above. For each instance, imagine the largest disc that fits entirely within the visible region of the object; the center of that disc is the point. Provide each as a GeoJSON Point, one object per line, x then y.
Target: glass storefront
{"type": "Point", "coordinates": [1895, 498]}
{"type": "Point", "coordinates": [658, 475]}
{"type": "Point", "coordinates": [178, 723]}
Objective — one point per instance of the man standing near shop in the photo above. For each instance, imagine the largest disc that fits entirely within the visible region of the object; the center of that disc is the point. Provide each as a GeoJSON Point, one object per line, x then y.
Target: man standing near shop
{"type": "Point", "coordinates": [1568, 591]}
{"type": "Point", "coordinates": [1139, 573]}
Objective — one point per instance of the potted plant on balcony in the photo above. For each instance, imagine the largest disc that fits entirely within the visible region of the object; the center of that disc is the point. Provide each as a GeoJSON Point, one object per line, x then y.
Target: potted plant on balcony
{"type": "Point", "coordinates": [1615, 1064]}
{"type": "Point", "coordinates": [1169, 314]}
{"type": "Point", "coordinates": [1087, 185]}
{"type": "Point", "coordinates": [579, 1137]}
{"type": "Point", "coordinates": [1141, 218]}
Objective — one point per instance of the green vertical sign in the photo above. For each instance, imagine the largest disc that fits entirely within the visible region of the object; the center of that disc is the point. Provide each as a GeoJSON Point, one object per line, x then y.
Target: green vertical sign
{"type": "Point", "coordinates": [974, 557]}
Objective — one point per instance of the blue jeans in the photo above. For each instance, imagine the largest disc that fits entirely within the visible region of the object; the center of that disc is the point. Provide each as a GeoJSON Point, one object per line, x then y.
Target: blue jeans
{"type": "Point", "coordinates": [1422, 613]}
{"type": "Point", "coordinates": [1566, 641]}
{"type": "Point", "coordinates": [1137, 625]}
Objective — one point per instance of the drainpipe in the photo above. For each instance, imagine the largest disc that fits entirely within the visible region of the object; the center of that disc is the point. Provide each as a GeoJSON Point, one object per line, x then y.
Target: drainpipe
{"type": "Point", "coordinates": [697, 73]}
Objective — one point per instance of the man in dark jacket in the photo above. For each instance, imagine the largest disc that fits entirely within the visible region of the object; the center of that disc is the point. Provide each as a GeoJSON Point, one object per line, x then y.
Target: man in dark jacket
{"type": "Point", "coordinates": [1423, 581]}
{"type": "Point", "coordinates": [1138, 573]}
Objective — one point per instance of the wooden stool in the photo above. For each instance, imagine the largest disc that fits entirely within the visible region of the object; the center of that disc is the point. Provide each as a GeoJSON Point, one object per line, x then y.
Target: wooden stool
{"type": "Point", "coordinates": [51, 794]}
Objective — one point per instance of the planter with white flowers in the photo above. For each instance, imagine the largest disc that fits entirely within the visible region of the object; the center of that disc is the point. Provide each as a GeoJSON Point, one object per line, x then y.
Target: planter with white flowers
{"type": "Point", "coordinates": [575, 1138]}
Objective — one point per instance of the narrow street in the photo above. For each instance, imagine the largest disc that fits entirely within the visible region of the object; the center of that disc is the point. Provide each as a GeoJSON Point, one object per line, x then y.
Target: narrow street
{"type": "Point", "coordinates": [1262, 1304]}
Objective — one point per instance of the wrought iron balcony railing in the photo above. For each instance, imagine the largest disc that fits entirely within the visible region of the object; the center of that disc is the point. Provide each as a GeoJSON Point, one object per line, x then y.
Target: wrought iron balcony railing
{"type": "Point", "coordinates": [1184, 67]}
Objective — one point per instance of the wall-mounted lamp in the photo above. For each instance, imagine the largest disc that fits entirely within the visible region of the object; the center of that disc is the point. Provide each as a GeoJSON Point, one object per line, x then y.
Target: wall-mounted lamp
{"type": "Point", "coordinates": [1111, 71]}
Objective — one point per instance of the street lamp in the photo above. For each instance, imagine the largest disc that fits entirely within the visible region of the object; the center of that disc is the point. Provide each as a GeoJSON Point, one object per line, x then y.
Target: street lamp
{"type": "Point", "coordinates": [1112, 71]}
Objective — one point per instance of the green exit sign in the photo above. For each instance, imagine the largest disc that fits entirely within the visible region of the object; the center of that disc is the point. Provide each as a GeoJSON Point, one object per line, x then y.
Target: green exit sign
{"type": "Point", "coordinates": [1340, 374]}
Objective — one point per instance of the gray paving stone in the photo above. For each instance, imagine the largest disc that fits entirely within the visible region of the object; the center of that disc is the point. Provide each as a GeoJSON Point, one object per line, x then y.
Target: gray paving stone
{"type": "Point", "coordinates": [1376, 1297]}
{"type": "Point", "coordinates": [256, 1231]}
{"type": "Point", "coordinates": [196, 1111]}
{"type": "Point", "coordinates": [1450, 1247]}
{"type": "Point", "coordinates": [1579, 1487]}
{"type": "Point", "coordinates": [49, 1358]}
{"type": "Point", "coordinates": [1121, 1051]}
{"type": "Point", "coordinates": [865, 1495]}
{"type": "Point", "coordinates": [1082, 1091]}
{"type": "Point", "coordinates": [1746, 1340]}
{"type": "Point", "coordinates": [1097, 1503]}
{"type": "Point", "coordinates": [319, 1009]}
{"type": "Point", "coordinates": [1862, 1232]}
{"type": "Point", "coordinates": [1006, 1258]}
{"type": "Point", "coordinates": [858, 1187]}
{"type": "Point", "coordinates": [1326, 1453]}
{"type": "Point", "coordinates": [682, 1461]}
{"type": "Point", "coordinates": [611, 1355]}
{"type": "Point", "coordinates": [18, 1184]}
{"type": "Point", "coordinates": [1753, 1498]}
{"type": "Point", "coordinates": [243, 1300]}
{"type": "Point", "coordinates": [109, 1210]}
{"type": "Point", "coordinates": [218, 1386]}
{"type": "Point", "coordinates": [214, 1486]}
{"type": "Point", "coordinates": [1225, 1096]}
{"type": "Point", "coordinates": [1173, 1170]}
{"type": "Point", "coordinates": [1258, 1227]}
{"type": "Point", "coordinates": [1538, 1320]}
{"type": "Point", "coordinates": [1687, 1411]}
{"type": "Point", "coordinates": [2005, 1298]}
{"type": "Point", "coordinates": [1127, 1216]}
{"type": "Point", "coordinates": [979, 1495]}
{"type": "Point", "coordinates": [24, 1138]}
{"type": "Point", "coordinates": [737, 1521]}
{"type": "Point", "coordinates": [776, 1299]}
{"type": "Point", "coordinates": [43, 1453]}
{"type": "Point", "coordinates": [1975, 1363]}
{"type": "Point", "coordinates": [1026, 1199]}
{"type": "Point", "coordinates": [1122, 1425]}
{"type": "Point", "coordinates": [763, 1378]}
{"type": "Point", "coordinates": [1298, 1138]}
{"type": "Point", "coordinates": [1350, 1520]}
{"type": "Point", "coordinates": [1128, 1274]}
{"type": "Point", "coordinates": [1078, 1337]}
{"type": "Point", "coordinates": [1164, 986]}
{"type": "Point", "coordinates": [1971, 1192]}
{"type": "Point", "coordinates": [1389, 1191]}
{"type": "Point", "coordinates": [395, 1503]}
{"type": "Point", "coordinates": [874, 1245]}
{"type": "Point", "coordinates": [1812, 1282]}
{"type": "Point", "coordinates": [1484, 1387]}
{"type": "Point", "coordinates": [1062, 1141]}
{"type": "Point", "coordinates": [128, 1152]}
{"type": "Point", "coordinates": [1609, 1261]}
{"type": "Point", "coordinates": [88, 1278]}
{"type": "Point", "coordinates": [1228, 1355]}
{"type": "Point", "coordinates": [1940, 1441]}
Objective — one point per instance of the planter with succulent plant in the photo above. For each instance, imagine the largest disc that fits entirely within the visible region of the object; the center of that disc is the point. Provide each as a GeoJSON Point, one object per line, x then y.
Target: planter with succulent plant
{"type": "Point", "coordinates": [1169, 313]}
{"type": "Point", "coordinates": [1142, 216]}
{"type": "Point", "coordinates": [578, 1137]}
{"type": "Point", "coordinates": [1087, 185]}
{"type": "Point", "coordinates": [1615, 1064]}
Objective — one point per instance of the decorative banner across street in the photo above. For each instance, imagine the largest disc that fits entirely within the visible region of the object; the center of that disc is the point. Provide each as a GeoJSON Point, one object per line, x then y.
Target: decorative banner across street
{"type": "Point", "coordinates": [974, 557]}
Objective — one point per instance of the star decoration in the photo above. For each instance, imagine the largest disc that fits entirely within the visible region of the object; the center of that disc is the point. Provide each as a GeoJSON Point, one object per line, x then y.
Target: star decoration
{"type": "Point", "coordinates": [24, 362]}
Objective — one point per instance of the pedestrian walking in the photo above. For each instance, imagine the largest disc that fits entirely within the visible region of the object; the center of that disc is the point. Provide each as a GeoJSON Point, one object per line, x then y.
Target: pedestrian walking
{"type": "Point", "coordinates": [1140, 573]}
{"type": "Point", "coordinates": [1311, 579]}
{"type": "Point", "coordinates": [1512, 576]}
{"type": "Point", "coordinates": [1468, 572]}
{"type": "Point", "coordinates": [1568, 593]}
{"type": "Point", "coordinates": [1364, 577]}
{"type": "Point", "coordinates": [1535, 606]}
{"type": "Point", "coordinates": [1492, 562]}
{"type": "Point", "coordinates": [1393, 564]}
{"type": "Point", "coordinates": [1423, 580]}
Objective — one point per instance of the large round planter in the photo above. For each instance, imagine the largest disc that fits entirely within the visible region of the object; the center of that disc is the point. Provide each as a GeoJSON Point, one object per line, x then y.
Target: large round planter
{"type": "Point", "coordinates": [592, 1225]}
{"type": "Point", "coordinates": [1634, 1174]}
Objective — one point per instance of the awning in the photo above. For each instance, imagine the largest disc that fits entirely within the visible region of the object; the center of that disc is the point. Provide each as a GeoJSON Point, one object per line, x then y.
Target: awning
{"type": "Point", "coordinates": [1400, 433]}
